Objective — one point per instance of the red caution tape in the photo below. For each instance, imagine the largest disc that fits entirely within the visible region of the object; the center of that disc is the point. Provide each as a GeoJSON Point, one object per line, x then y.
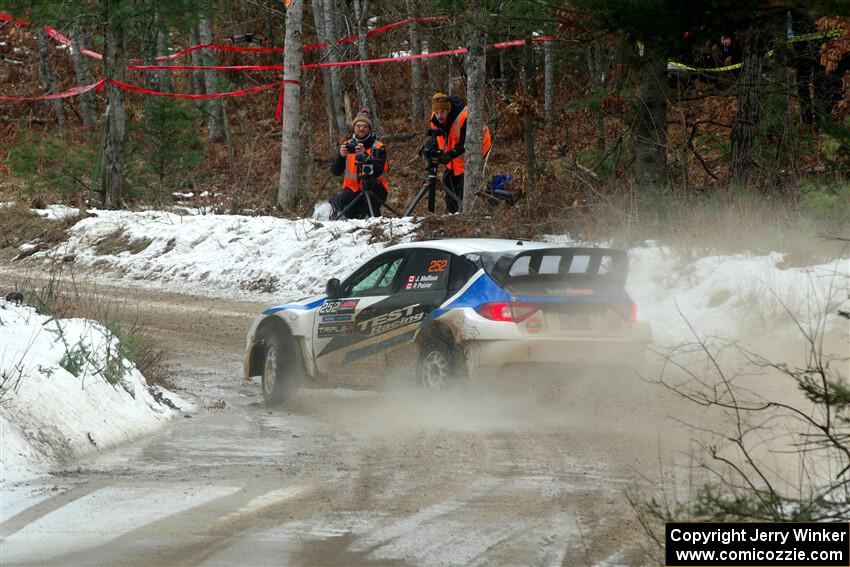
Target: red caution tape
{"type": "Point", "coordinates": [4, 17]}
{"type": "Point", "coordinates": [65, 41]}
{"type": "Point", "coordinates": [459, 51]}
{"type": "Point", "coordinates": [242, 92]}
{"type": "Point", "coordinates": [214, 47]}
{"type": "Point", "coordinates": [205, 67]}
{"type": "Point", "coordinates": [349, 39]}
{"type": "Point", "coordinates": [64, 94]}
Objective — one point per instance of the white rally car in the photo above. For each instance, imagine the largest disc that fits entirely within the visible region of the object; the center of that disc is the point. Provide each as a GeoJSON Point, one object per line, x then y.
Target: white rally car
{"type": "Point", "coordinates": [454, 309]}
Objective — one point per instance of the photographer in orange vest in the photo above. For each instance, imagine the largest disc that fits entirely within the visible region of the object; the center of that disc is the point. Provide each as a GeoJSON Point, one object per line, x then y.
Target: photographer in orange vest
{"type": "Point", "coordinates": [448, 114]}
{"type": "Point", "coordinates": [362, 160]}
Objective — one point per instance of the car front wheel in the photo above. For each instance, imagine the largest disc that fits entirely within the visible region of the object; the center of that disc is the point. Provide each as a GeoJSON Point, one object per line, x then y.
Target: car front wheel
{"type": "Point", "coordinates": [279, 375]}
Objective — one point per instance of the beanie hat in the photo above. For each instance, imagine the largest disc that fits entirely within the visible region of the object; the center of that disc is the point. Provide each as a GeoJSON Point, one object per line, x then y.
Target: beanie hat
{"type": "Point", "coordinates": [440, 101]}
{"type": "Point", "coordinates": [362, 116]}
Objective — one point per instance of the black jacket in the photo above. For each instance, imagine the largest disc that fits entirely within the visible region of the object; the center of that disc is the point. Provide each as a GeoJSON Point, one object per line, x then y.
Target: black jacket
{"type": "Point", "coordinates": [458, 104]}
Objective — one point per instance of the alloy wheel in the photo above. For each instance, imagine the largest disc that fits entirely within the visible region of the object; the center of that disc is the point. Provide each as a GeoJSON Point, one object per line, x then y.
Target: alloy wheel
{"type": "Point", "coordinates": [270, 371]}
{"type": "Point", "coordinates": [435, 371]}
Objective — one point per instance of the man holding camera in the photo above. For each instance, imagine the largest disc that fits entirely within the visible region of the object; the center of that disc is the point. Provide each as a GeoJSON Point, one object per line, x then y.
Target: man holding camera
{"type": "Point", "coordinates": [448, 116]}
{"type": "Point", "coordinates": [363, 161]}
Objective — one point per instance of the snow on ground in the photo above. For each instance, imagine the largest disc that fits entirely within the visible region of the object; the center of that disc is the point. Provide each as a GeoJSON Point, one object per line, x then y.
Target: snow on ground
{"type": "Point", "coordinates": [68, 391]}
{"type": "Point", "coordinates": [55, 415]}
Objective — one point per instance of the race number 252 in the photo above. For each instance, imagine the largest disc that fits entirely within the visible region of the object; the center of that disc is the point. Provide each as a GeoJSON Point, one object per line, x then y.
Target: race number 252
{"type": "Point", "coordinates": [437, 266]}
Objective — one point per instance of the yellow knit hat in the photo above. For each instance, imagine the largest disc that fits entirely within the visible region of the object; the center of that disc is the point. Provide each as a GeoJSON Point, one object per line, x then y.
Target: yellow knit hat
{"type": "Point", "coordinates": [440, 101]}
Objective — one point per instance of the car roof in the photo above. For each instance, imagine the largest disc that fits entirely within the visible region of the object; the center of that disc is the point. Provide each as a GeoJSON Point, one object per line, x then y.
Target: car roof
{"type": "Point", "coordinates": [470, 245]}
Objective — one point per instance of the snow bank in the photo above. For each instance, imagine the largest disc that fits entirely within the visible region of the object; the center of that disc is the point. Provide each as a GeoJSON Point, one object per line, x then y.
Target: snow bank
{"type": "Point", "coordinates": [731, 295]}
{"type": "Point", "coordinates": [236, 255]}
{"type": "Point", "coordinates": [58, 401]}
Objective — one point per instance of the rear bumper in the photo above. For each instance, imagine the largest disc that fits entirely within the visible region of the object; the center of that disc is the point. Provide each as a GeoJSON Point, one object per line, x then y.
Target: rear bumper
{"type": "Point", "coordinates": [484, 357]}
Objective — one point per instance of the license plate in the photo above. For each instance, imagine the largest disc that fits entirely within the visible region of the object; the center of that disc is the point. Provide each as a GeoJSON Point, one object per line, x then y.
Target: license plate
{"type": "Point", "coordinates": [573, 322]}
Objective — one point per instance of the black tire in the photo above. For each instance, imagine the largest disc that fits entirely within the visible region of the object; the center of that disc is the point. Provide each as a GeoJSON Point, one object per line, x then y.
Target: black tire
{"type": "Point", "coordinates": [440, 367]}
{"type": "Point", "coordinates": [279, 366]}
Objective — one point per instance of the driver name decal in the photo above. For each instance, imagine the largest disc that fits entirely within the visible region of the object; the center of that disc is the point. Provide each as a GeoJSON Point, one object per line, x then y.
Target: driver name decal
{"type": "Point", "coordinates": [421, 282]}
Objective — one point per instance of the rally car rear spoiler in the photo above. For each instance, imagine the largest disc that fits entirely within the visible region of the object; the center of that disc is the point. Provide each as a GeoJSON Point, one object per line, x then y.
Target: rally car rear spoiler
{"type": "Point", "coordinates": [592, 269]}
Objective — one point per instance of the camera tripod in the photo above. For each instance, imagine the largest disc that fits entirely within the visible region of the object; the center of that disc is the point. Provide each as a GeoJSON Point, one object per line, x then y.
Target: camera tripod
{"type": "Point", "coordinates": [429, 186]}
{"type": "Point", "coordinates": [373, 202]}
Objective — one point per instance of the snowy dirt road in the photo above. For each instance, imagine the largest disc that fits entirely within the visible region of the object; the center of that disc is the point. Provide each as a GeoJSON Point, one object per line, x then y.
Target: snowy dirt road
{"type": "Point", "coordinates": [519, 474]}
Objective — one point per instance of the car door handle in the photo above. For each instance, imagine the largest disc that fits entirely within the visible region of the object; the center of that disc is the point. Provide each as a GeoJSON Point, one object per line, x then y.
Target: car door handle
{"type": "Point", "coordinates": [368, 311]}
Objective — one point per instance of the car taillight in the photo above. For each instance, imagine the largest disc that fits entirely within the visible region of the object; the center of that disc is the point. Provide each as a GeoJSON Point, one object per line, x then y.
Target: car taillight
{"type": "Point", "coordinates": [509, 312]}
{"type": "Point", "coordinates": [628, 311]}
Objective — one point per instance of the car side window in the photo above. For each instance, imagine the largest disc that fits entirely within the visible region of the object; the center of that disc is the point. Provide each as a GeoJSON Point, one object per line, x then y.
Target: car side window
{"type": "Point", "coordinates": [426, 270]}
{"type": "Point", "coordinates": [462, 270]}
{"type": "Point", "coordinates": [378, 280]}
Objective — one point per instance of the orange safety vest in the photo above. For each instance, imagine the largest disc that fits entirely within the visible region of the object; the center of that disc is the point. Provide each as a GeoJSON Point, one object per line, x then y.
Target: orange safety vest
{"type": "Point", "coordinates": [350, 180]}
{"type": "Point", "coordinates": [457, 164]}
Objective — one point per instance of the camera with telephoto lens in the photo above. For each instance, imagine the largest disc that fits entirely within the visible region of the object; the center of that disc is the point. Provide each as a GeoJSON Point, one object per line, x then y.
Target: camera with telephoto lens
{"type": "Point", "coordinates": [364, 162]}
{"type": "Point", "coordinates": [431, 148]}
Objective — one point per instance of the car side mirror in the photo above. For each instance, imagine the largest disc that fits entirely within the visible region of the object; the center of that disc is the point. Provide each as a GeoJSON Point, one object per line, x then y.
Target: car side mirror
{"type": "Point", "coordinates": [333, 289]}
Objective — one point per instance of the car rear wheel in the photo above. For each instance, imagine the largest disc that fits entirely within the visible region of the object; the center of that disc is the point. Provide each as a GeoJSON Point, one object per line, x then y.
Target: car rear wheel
{"type": "Point", "coordinates": [278, 379]}
{"type": "Point", "coordinates": [439, 368]}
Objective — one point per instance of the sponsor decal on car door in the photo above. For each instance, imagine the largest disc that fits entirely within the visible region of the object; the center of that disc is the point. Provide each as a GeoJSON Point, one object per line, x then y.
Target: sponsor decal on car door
{"type": "Point", "coordinates": [336, 331]}
{"type": "Point", "coordinates": [388, 328]}
{"type": "Point", "coordinates": [383, 327]}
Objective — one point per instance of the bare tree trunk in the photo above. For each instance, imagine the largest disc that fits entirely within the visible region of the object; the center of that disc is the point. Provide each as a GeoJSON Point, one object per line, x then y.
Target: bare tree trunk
{"type": "Point", "coordinates": [215, 106]}
{"type": "Point", "coordinates": [417, 111]}
{"type": "Point", "coordinates": [528, 120]}
{"type": "Point", "coordinates": [747, 117]}
{"type": "Point", "coordinates": [594, 68]}
{"type": "Point", "coordinates": [112, 181]}
{"type": "Point", "coordinates": [148, 40]}
{"type": "Point", "coordinates": [476, 70]}
{"type": "Point", "coordinates": [651, 126]}
{"type": "Point", "coordinates": [81, 74]}
{"type": "Point", "coordinates": [333, 57]}
{"type": "Point", "coordinates": [291, 146]}
{"type": "Point", "coordinates": [319, 22]}
{"type": "Point", "coordinates": [361, 14]}
{"type": "Point", "coordinates": [271, 11]}
{"type": "Point", "coordinates": [48, 78]}
{"type": "Point", "coordinates": [503, 72]}
{"type": "Point", "coordinates": [438, 77]}
{"type": "Point", "coordinates": [549, 85]}
{"type": "Point", "coordinates": [165, 84]}
{"type": "Point", "coordinates": [197, 59]}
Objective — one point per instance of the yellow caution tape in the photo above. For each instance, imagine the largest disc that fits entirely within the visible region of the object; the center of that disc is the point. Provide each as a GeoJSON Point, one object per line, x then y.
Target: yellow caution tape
{"type": "Point", "coordinates": [804, 37]}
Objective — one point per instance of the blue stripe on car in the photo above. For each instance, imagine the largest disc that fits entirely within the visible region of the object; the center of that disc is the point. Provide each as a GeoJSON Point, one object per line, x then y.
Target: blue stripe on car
{"type": "Point", "coordinates": [311, 305]}
{"type": "Point", "coordinates": [482, 290]}
{"type": "Point", "coordinates": [378, 347]}
{"type": "Point", "coordinates": [485, 290]}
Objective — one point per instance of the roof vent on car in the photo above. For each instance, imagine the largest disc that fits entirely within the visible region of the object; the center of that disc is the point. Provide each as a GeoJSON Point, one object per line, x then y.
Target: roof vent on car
{"type": "Point", "coordinates": [519, 242]}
